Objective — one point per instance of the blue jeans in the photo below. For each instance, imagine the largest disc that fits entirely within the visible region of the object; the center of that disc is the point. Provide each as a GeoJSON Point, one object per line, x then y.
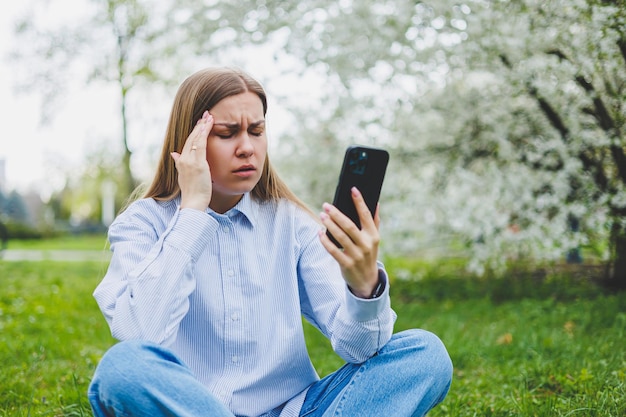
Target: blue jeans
{"type": "Point", "coordinates": [408, 377]}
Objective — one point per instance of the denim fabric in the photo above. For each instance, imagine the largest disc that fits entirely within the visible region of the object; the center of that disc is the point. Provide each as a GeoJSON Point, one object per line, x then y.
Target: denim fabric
{"type": "Point", "coordinates": [408, 377]}
{"type": "Point", "coordinates": [145, 380]}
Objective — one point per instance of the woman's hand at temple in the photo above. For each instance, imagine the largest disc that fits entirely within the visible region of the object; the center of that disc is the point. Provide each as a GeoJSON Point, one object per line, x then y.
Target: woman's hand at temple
{"type": "Point", "coordinates": [194, 174]}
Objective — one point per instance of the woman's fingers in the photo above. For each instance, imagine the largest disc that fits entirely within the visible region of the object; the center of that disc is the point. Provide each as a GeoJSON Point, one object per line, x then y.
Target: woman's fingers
{"type": "Point", "coordinates": [196, 142]}
{"type": "Point", "coordinates": [359, 252]}
{"type": "Point", "coordinates": [194, 175]}
{"type": "Point", "coordinates": [377, 216]}
{"type": "Point", "coordinates": [365, 216]}
{"type": "Point", "coordinates": [355, 243]}
{"type": "Point", "coordinates": [345, 231]}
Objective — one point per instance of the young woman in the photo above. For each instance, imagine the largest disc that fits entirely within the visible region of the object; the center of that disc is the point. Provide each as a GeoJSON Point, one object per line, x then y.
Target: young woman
{"type": "Point", "coordinates": [214, 268]}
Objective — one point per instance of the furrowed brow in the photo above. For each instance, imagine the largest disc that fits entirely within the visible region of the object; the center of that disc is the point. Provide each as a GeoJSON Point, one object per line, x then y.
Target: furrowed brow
{"type": "Point", "coordinates": [236, 125]}
{"type": "Point", "coordinates": [228, 125]}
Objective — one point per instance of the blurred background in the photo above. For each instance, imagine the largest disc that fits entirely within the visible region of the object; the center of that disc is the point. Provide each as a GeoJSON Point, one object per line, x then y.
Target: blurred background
{"type": "Point", "coordinates": [504, 120]}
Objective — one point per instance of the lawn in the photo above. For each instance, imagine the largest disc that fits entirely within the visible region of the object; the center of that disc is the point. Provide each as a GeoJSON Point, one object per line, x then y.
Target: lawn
{"type": "Point", "coordinates": [52, 336]}
{"type": "Point", "coordinates": [533, 345]}
{"type": "Point", "coordinates": [66, 242]}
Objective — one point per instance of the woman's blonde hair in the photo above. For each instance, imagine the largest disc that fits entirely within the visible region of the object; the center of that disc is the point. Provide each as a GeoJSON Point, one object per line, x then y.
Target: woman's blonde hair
{"type": "Point", "coordinates": [199, 92]}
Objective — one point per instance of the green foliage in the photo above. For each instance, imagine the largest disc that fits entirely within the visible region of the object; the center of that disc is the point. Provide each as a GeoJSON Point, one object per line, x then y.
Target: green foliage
{"type": "Point", "coordinates": [80, 200]}
{"type": "Point", "coordinates": [17, 230]}
{"type": "Point", "coordinates": [13, 207]}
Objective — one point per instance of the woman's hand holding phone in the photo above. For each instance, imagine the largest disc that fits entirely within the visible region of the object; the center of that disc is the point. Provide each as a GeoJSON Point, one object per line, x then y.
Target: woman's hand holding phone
{"type": "Point", "coordinates": [359, 247]}
{"type": "Point", "coordinates": [194, 175]}
{"type": "Point", "coordinates": [352, 221]}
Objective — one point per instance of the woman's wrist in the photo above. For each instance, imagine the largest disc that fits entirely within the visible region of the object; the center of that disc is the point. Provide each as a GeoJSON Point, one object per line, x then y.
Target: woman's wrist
{"type": "Point", "coordinates": [372, 291]}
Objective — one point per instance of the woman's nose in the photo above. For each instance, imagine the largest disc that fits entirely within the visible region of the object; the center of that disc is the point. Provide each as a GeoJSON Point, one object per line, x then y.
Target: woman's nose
{"type": "Point", "coordinates": [245, 148]}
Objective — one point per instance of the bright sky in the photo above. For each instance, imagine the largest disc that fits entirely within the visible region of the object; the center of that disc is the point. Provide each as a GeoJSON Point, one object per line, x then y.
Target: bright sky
{"type": "Point", "coordinates": [17, 147]}
{"type": "Point", "coordinates": [35, 154]}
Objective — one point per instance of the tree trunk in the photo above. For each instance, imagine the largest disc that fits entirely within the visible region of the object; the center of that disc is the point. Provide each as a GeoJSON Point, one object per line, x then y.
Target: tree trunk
{"type": "Point", "coordinates": [617, 274]}
{"type": "Point", "coordinates": [123, 40]}
{"type": "Point", "coordinates": [129, 179]}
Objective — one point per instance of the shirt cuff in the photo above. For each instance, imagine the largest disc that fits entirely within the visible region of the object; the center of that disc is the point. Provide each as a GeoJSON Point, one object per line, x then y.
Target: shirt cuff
{"type": "Point", "coordinates": [365, 309]}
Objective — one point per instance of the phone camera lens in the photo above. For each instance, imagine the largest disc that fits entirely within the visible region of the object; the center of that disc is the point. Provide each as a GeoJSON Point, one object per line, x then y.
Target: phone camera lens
{"type": "Point", "coordinates": [358, 161]}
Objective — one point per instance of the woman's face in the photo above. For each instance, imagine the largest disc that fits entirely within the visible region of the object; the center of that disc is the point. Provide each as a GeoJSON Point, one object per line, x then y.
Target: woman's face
{"type": "Point", "coordinates": [236, 148]}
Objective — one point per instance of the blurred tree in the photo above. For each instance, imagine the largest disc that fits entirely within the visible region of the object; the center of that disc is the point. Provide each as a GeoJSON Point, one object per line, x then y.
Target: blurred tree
{"type": "Point", "coordinates": [505, 119]}
{"type": "Point", "coordinates": [79, 202]}
{"type": "Point", "coordinates": [546, 121]}
{"type": "Point", "coordinates": [59, 204]}
{"type": "Point", "coordinates": [14, 208]}
{"type": "Point", "coordinates": [123, 42]}
{"type": "Point", "coordinates": [2, 204]}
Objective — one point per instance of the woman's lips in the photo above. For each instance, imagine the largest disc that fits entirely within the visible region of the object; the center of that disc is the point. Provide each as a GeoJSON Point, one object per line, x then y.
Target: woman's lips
{"type": "Point", "coordinates": [245, 171]}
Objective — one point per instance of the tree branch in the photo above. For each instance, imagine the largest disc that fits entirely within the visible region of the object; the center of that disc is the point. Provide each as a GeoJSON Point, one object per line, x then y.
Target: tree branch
{"type": "Point", "coordinates": [601, 114]}
{"type": "Point", "coordinates": [606, 122]}
{"type": "Point", "coordinates": [547, 109]}
{"type": "Point", "coordinates": [621, 44]}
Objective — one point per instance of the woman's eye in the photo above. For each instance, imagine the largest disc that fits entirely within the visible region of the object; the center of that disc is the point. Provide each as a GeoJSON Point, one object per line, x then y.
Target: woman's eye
{"type": "Point", "coordinates": [256, 133]}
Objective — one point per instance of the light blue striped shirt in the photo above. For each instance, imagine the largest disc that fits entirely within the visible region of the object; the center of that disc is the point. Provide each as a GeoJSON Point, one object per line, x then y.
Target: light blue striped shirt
{"type": "Point", "coordinates": [227, 293]}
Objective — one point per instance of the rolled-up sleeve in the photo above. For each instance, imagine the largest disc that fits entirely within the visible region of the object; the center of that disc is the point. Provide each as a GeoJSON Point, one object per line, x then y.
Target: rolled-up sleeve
{"type": "Point", "coordinates": [357, 328]}
{"type": "Point", "coordinates": [145, 292]}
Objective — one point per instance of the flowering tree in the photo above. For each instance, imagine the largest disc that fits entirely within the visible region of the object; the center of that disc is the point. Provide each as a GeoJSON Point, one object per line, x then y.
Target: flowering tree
{"type": "Point", "coordinates": [505, 119]}
{"type": "Point", "coordinates": [549, 123]}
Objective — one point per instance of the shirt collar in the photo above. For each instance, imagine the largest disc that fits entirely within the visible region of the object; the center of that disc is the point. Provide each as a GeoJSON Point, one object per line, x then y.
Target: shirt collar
{"type": "Point", "coordinates": [247, 207]}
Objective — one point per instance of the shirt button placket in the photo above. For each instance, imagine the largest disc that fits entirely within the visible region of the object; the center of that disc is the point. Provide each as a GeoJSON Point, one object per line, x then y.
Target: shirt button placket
{"type": "Point", "coordinates": [231, 290]}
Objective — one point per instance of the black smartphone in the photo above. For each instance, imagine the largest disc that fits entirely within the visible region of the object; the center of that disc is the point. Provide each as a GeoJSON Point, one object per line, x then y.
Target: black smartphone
{"type": "Point", "coordinates": [364, 168]}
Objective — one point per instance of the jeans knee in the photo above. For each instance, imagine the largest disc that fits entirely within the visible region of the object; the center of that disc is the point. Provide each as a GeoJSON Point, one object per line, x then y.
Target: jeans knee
{"type": "Point", "coordinates": [119, 368]}
{"type": "Point", "coordinates": [427, 354]}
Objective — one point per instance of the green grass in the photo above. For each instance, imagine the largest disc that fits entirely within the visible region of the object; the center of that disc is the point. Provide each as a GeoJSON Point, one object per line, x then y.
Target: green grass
{"type": "Point", "coordinates": [65, 242]}
{"type": "Point", "coordinates": [526, 346]}
{"type": "Point", "coordinates": [51, 337]}
{"type": "Point", "coordinates": [530, 345]}
{"type": "Point", "coordinates": [530, 356]}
